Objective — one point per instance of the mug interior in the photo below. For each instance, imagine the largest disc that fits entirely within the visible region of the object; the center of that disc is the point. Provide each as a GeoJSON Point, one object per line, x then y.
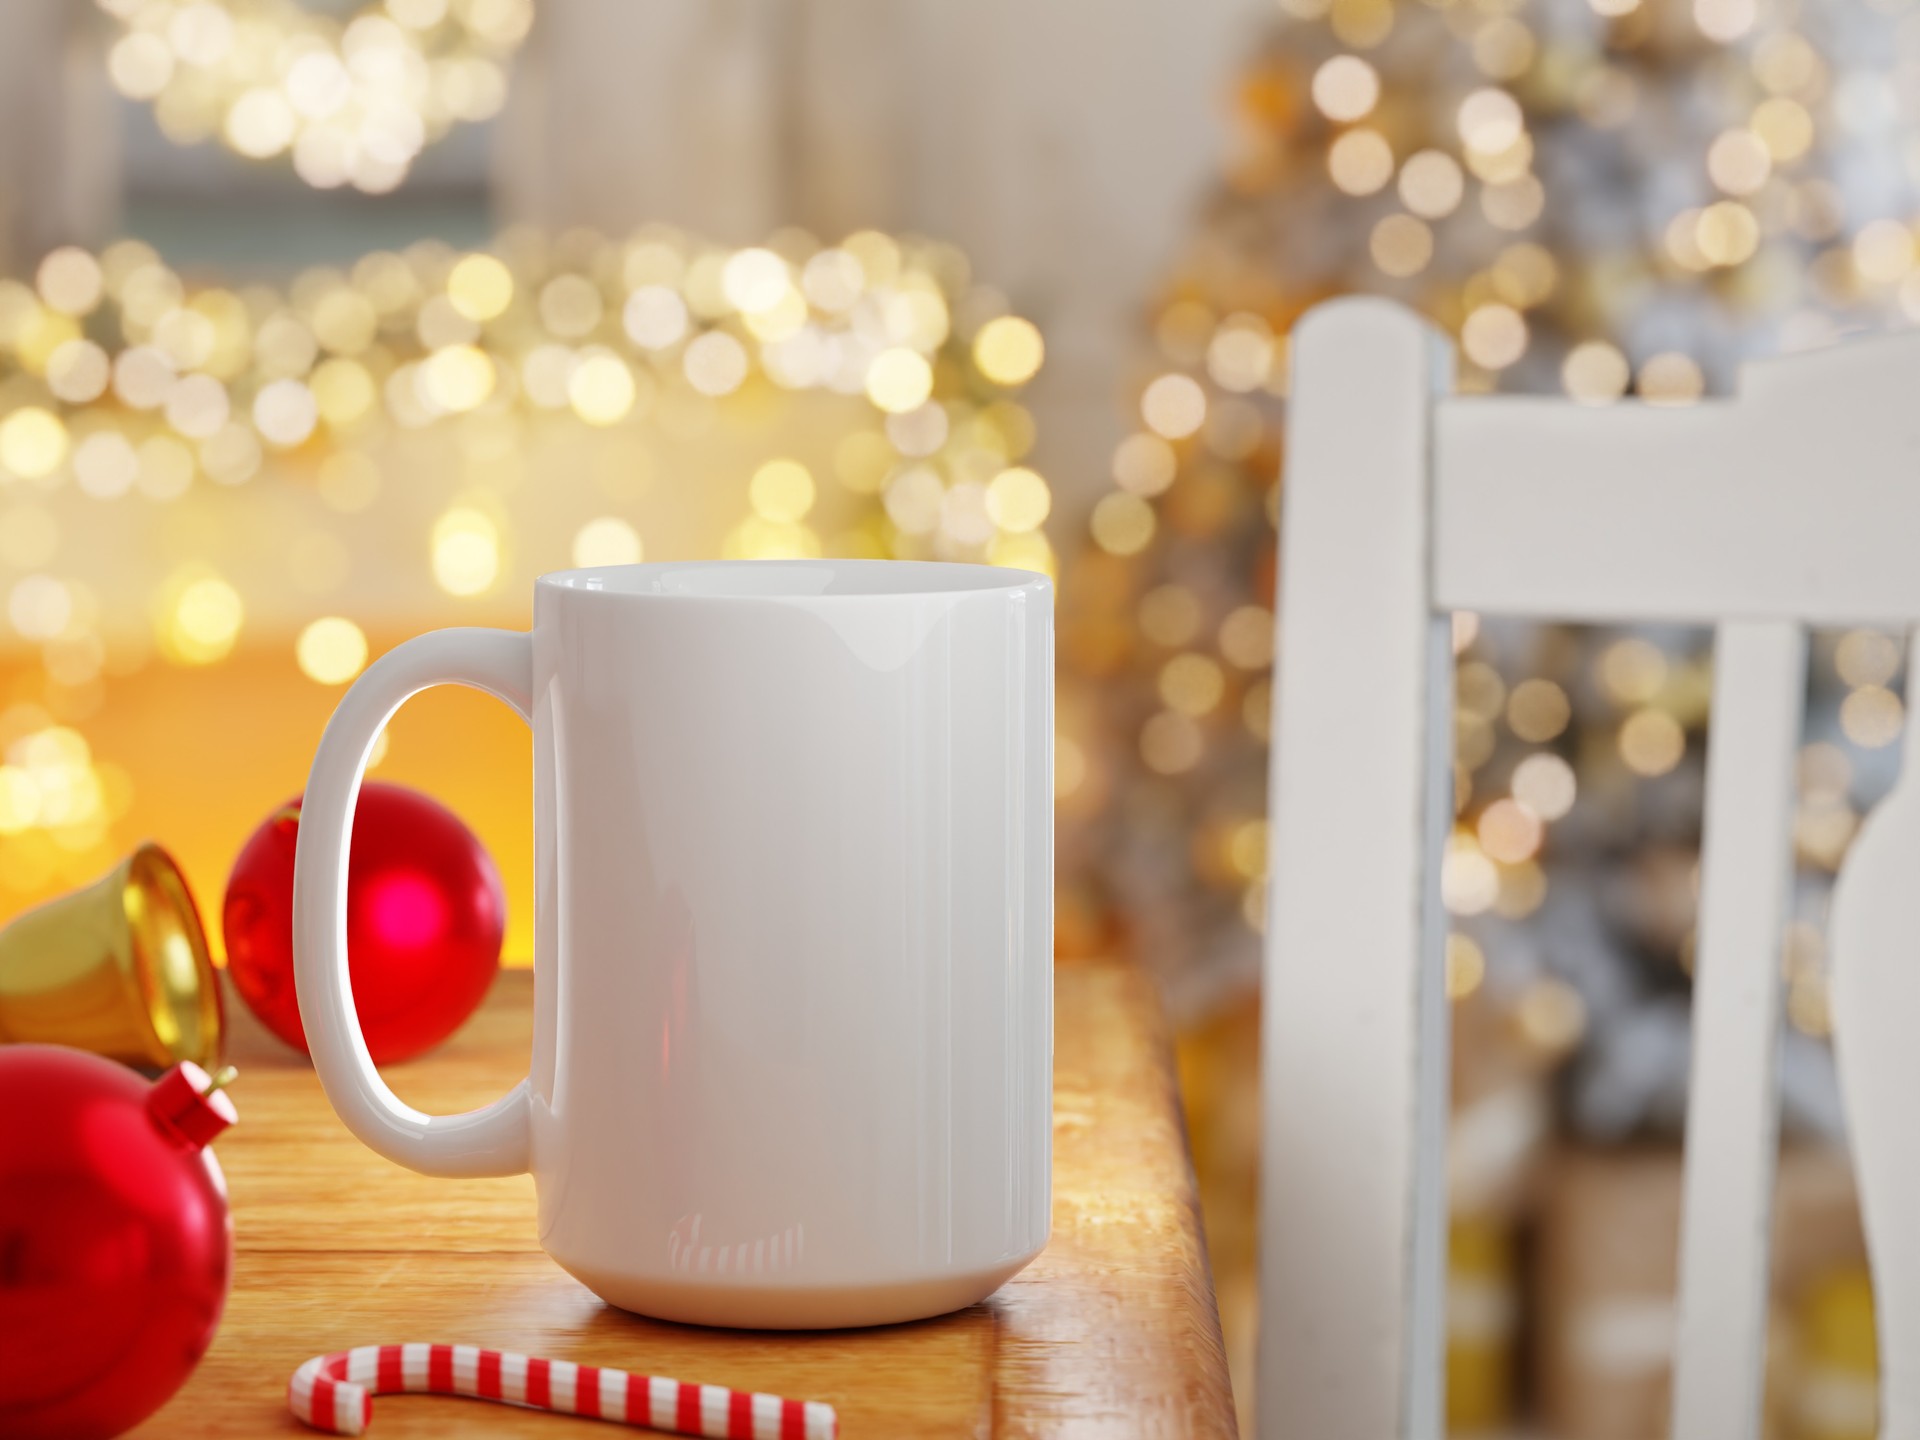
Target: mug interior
{"type": "Point", "coordinates": [791, 578]}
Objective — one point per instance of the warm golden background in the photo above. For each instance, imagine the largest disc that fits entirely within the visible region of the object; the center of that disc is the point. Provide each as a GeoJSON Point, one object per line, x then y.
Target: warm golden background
{"type": "Point", "coordinates": [323, 323]}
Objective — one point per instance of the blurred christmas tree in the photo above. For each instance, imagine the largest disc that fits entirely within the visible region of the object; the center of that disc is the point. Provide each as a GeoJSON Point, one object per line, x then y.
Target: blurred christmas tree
{"type": "Point", "coordinates": [1613, 198]}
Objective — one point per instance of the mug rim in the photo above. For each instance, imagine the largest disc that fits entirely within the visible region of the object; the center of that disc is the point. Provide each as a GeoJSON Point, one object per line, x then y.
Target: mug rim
{"type": "Point", "coordinates": [791, 580]}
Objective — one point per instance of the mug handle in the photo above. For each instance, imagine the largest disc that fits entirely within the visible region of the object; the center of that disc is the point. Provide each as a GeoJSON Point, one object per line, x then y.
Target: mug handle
{"type": "Point", "coordinates": [493, 1140]}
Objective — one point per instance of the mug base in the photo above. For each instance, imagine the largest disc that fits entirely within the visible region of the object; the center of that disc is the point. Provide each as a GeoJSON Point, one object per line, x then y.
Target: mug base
{"type": "Point", "coordinates": [737, 1306]}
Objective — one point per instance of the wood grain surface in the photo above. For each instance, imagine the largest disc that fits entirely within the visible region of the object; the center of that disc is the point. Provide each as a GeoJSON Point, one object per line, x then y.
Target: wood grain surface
{"type": "Point", "coordinates": [1112, 1332]}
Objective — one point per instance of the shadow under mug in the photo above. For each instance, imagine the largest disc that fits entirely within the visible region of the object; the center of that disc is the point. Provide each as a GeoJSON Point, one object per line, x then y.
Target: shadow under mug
{"type": "Point", "coordinates": [792, 1059]}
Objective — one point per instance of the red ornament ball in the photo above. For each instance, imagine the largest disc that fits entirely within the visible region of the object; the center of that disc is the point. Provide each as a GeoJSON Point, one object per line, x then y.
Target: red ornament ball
{"type": "Point", "coordinates": [425, 915]}
{"type": "Point", "coordinates": [116, 1246]}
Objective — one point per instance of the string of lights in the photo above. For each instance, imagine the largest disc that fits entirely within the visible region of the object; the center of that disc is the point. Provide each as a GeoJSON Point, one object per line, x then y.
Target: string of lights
{"type": "Point", "coordinates": [350, 102]}
{"type": "Point", "coordinates": [123, 384]}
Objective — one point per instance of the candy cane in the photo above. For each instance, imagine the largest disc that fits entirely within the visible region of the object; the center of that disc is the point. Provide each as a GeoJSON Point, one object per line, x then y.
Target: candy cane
{"type": "Point", "coordinates": [335, 1393]}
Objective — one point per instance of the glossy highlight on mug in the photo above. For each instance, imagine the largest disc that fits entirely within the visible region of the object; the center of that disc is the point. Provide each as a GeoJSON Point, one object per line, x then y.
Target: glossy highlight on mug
{"type": "Point", "coordinates": [686, 1250]}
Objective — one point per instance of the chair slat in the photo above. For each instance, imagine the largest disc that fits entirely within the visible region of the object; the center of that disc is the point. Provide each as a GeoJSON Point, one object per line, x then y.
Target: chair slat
{"type": "Point", "coordinates": [1794, 500]}
{"type": "Point", "coordinates": [1759, 691]}
{"type": "Point", "coordinates": [1354, 1012]}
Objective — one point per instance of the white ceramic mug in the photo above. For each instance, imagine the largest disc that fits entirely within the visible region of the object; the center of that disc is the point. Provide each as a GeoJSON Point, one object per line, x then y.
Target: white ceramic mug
{"type": "Point", "coordinates": [793, 1016]}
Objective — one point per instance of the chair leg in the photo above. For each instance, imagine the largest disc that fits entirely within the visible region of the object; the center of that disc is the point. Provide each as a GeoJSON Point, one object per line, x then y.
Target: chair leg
{"type": "Point", "coordinates": [1759, 685]}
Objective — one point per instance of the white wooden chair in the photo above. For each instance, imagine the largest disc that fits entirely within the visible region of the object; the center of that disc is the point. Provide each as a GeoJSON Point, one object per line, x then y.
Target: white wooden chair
{"type": "Point", "coordinates": [1796, 503]}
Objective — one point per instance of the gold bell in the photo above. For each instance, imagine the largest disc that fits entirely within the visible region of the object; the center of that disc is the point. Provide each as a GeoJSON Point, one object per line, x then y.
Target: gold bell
{"type": "Point", "coordinates": [120, 968]}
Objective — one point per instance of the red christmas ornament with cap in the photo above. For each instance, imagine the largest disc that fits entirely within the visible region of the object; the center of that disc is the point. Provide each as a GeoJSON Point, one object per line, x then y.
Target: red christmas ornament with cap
{"type": "Point", "coordinates": [425, 916]}
{"type": "Point", "coordinates": [116, 1246]}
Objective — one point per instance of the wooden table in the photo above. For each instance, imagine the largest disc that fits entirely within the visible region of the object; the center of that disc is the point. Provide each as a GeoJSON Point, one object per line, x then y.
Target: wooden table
{"type": "Point", "coordinates": [1112, 1332]}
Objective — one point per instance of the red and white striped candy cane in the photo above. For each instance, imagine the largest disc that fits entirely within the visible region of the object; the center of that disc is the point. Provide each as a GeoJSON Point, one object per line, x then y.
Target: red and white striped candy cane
{"type": "Point", "coordinates": [335, 1393]}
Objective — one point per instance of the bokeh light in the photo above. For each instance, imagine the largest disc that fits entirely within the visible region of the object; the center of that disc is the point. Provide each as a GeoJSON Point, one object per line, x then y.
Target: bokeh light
{"type": "Point", "coordinates": [1174, 406]}
{"type": "Point", "coordinates": [33, 442]}
{"type": "Point", "coordinates": [331, 650]}
{"type": "Point", "coordinates": [608, 540]}
{"type": "Point", "coordinates": [781, 491]}
{"type": "Point", "coordinates": [1018, 500]}
{"type": "Point", "coordinates": [1360, 161]}
{"type": "Point", "coordinates": [899, 380]}
{"type": "Point", "coordinates": [1545, 784]}
{"type": "Point", "coordinates": [601, 389]}
{"type": "Point", "coordinates": [480, 287]}
{"type": "Point", "coordinates": [202, 621]}
{"type": "Point", "coordinates": [1652, 742]}
{"type": "Point", "coordinates": [1595, 372]}
{"type": "Point", "coordinates": [70, 280]}
{"type": "Point", "coordinates": [1122, 523]}
{"type": "Point", "coordinates": [285, 412]}
{"type": "Point", "coordinates": [1009, 350]}
{"type": "Point", "coordinates": [1346, 88]}
{"type": "Point", "coordinates": [465, 552]}
{"type": "Point", "coordinates": [1401, 245]}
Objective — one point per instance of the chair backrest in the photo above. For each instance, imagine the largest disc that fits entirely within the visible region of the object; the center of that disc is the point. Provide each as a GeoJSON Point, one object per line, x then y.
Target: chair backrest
{"type": "Point", "coordinates": [1795, 503]}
